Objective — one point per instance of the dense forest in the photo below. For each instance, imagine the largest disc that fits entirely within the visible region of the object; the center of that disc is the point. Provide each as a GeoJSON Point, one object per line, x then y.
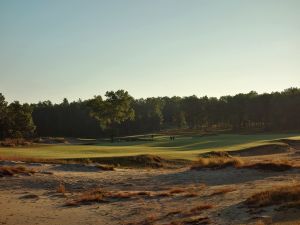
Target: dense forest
{"type": "Point", "coordinates": [120, 114]}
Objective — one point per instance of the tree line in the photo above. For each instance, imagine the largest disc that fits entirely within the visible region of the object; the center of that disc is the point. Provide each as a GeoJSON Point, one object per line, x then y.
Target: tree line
{"type": "Point", "coordinates": [118, 113]}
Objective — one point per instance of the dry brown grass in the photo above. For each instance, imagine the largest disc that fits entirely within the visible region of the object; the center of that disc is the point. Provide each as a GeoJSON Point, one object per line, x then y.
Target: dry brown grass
{"type": "Point", "coordinates": [276, 196]}
{"type": "Point", "coordinates": [149, 220]}
{"type": "Point", "coordinates": [202, 220]}
{"type": "Point", "coordinates": [95, 195]}
{"type": "Point", "coordinates": [217, 163]}
{"type": "Point", "coordinates": [14, 170]}
{"type": "Point", "coordinates": [106, 167]}
{"type": "Point", "coordinates": [185, 217]}
{"type": "Point", "coordinates": [190, 194]}
{"type": "Point", "coordinates": [174, 212]}
{"type": "Point", "coordinates": [223, 162]}
{"type": "Point", "coordinates": [163, 194]}
{"type": "Point", "coordinates": [216, 154]}
{"type": "Point", "coordinates": [127, 194]}
{"type": "Point", "coordinates": [222, 191]}
{"type": "Point", "coordinates": [270, 166]}
{"type": "Point", "coordinates": [197, 209]}
{"type": "Point", "coordinates": [191, 212]}
{"type": "Point", "coordinates": [191, 216]}
{"type": "Point", "coordinates": [61, 189]}
{"type": "Point", "coordinates": [177, 190]}
{"type": "Point", "coordinates": [101, 195]}
{"type": "Point", "coordinates": [185, 192]}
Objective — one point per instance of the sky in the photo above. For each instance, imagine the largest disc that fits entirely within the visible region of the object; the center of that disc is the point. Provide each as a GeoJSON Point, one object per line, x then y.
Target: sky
{"type": "Point", "coordinates": [51, 49]}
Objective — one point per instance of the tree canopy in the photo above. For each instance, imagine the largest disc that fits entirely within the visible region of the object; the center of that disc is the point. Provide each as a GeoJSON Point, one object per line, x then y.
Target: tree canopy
{"type": "Point", "coordinates": [115, 109]}
{"type": "Point", "coordinates": [120, 114]}
{"type": "Point", "coordinates": [15, 119]}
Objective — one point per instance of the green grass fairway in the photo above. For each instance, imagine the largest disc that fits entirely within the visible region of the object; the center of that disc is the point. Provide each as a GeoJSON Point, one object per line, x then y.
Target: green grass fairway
{"type": "Point", "coordinates": [182, 148]}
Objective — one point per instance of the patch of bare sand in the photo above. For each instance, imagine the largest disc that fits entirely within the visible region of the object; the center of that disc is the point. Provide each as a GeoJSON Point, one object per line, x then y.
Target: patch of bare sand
{"type": "Point", "coordinates": [188, 191]}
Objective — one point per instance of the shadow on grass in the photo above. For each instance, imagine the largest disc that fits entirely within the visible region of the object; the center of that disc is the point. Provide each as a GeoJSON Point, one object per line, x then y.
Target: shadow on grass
{"type": "Point", "coordinates": [207, 142]}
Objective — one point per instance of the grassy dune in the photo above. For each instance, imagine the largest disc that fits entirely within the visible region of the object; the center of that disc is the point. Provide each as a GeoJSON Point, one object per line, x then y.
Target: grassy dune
{"type": "Point", "coordinates": [184, 147]}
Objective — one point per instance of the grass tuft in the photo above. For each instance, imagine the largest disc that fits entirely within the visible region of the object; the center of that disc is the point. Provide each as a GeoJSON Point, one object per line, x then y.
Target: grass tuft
{"type": "Point", "coordinates": [187, 217]}
{"type": "Point", "coordinates": [14, 170]}
{"type": "Point", "coordinates": [270, 166]}
{"type": "Point", "coordinates": [95, 195]}
{"type": "Point", "coordinates": [222, 191]}
{"type": "Point", "coordinates": [197, 209]}
{"type": "Point", "coordinates": [106, 167]}
{"type": "Point", "coordinates": [276, 196]}
{"type": "Point", "coordinates": [61, 188]}
{"type": "Point", "coordinates": [177, 190]}
{"type": "Point", "coordinates": [101, 195]}
{"type": "Point", "coordinates": [217, 163]}
{"type": "Point", "coordinates": [149, 220]}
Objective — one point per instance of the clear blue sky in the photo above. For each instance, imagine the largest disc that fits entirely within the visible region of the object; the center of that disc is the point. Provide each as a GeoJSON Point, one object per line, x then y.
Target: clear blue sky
{"type": "Point", "coordinates": [50, 49]}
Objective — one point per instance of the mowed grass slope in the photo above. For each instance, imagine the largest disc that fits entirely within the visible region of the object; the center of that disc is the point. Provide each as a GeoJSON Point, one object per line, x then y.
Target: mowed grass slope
{"type": "Point", "coordinates": [183, 147]}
